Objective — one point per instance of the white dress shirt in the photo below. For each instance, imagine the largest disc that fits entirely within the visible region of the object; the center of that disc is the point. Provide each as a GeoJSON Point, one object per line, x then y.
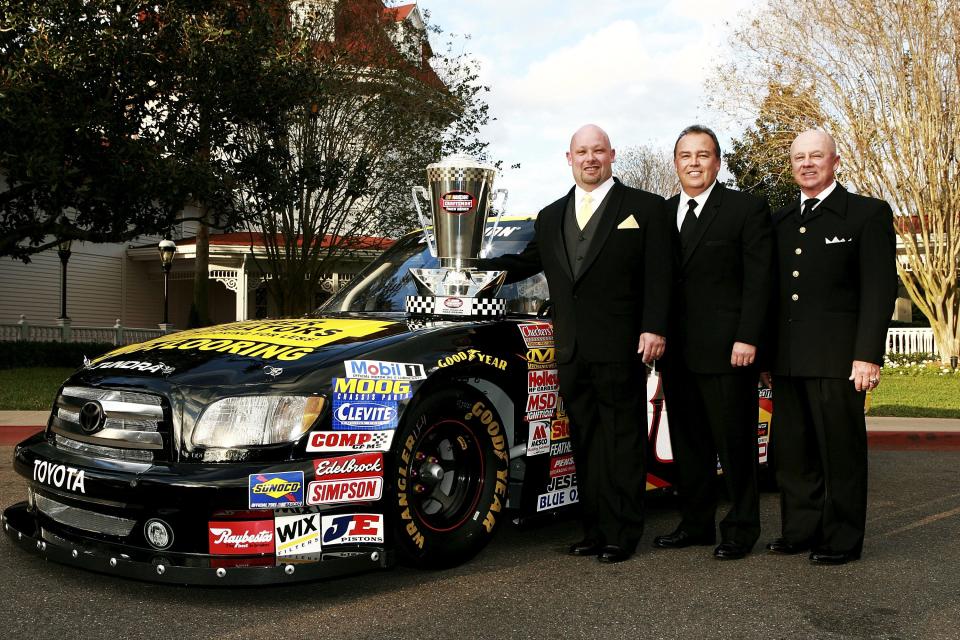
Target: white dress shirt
{"type": "Point", "coordinates": [820, 196]}
{"type": "Point", "coordinates": [684, 199]}
{"type": "Point", "coordinates": [597, 195]}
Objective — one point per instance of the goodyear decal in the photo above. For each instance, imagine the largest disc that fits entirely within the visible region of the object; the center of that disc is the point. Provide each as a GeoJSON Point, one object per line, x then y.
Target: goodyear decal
{"type": "Point", "coordinates": [276, 490]}
{"type": "Point", "coordinates": [472, 355]}
{"type": "Point", "coordinates": [267, 339]}
{"type": "Point", "coordinates": [495, 431]}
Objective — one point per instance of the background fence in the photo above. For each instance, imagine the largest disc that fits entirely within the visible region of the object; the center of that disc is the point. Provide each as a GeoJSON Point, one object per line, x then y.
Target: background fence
{"type": "Point", "coordinates": [64, 331]}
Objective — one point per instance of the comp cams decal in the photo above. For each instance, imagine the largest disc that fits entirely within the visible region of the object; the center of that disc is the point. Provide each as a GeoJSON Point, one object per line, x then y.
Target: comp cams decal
{"type": "Point", "coordinates": [297, 534]}
{"type": "Point", "coordinates": [268, 339]}
{"type": "Point", "coordinates": [355, 528]}
{"type": "Point", "coordinates": [276, 490]}
{"type": "Point", "coordinates": [350, 440]}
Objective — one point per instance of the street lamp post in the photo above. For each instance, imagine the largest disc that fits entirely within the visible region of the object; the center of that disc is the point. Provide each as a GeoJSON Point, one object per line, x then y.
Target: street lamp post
{"type": "Point", "coordinates": [63, 250]}
{"type": "Point", "coordinates": [167, 249]}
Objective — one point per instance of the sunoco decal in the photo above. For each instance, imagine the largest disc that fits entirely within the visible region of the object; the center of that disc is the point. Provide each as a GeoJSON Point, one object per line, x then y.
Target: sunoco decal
{"type": "Point", "coordinates": [379, 370]}
{"type": "Point", "coordinates": [357, 528]}
{"type": "Point", "coordinates": [296, 534]}
{"type": "Point", "coordinates": [268, 339]}
{"type": "Point", "coordinates": [276, 490]}
{"type": "Point", "coordinates": [350, 440]}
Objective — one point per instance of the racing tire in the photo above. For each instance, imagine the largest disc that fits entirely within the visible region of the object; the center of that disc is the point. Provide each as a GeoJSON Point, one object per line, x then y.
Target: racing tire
{"type": "Point", "coordinates": [451, 463]}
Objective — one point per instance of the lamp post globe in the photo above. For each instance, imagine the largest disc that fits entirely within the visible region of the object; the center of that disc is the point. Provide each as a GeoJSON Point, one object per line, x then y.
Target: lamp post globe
{"type": "Point", "coordinates": [63, 251]}
{"type": "Point", "coordinates": [167, 249]}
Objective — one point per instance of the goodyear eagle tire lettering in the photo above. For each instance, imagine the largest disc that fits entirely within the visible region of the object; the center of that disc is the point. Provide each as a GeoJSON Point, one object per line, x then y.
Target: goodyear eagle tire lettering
{"type": "Point", "coordinates": [451, 481]}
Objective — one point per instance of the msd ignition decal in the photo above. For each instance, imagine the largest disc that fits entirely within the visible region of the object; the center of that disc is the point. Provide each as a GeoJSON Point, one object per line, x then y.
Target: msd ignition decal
{"type": "Point", "coordinates": [356, 528]}
{"type": "Point", "coordinates": [541, 405]}
{"type": "Point", "coordinates": [542, 380]}
{"type": "Point", "coordinates": [537, 335]}
{"type": "Point", "coordinates": [58, 476]}
{"type": "Point", "coordinates": [134, 365]}
{"type": "Point", "coordinates": [276, 490]}
{"type": "Point", "coordinates": [378, 370]}
{"type": "Point", "coordinates": [296, 534]}
{"type": "Point", "coordinates": [357, 478]}
{"type": "Point", "coordinates": [456, 202]}
{"type": "Point", "coordinates": [266, 339]}
{"type": "Point", "coordinates": [561, 491]}
{"type": "Point", "coordinates": [538, 441]}
{"type": "Point", "coordinates": [234, 537]}
{"type": "Point", "coordinates": [350, 440]}
{"type": "Point", "coordinates": [472, 355]}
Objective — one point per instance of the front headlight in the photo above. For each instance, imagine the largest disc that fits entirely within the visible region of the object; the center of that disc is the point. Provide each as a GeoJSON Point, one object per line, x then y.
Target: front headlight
{"type": "Point", "coordinates": [246, 421]}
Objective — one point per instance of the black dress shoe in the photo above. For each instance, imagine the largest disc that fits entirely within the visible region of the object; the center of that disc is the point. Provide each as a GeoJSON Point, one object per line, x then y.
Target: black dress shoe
{"type": "Point", "coordinates": [612, 553]}
{"type": "Point", "coordinates": [680, 539]}
{"type": "Point", "coordinates": [586, 547]}
{"type": "Point", "coordinates": [787, 548]}
{"type": "Point", "coordinates": [730, 551]}
{"type": "Point", "coordinates": [820, 556]}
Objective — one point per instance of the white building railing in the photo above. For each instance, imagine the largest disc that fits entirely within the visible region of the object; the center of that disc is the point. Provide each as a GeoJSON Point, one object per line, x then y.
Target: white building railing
{"type": "Point", "coordinates": [911, 340]}
{"type": "Point", "coordinates": [63, 331]}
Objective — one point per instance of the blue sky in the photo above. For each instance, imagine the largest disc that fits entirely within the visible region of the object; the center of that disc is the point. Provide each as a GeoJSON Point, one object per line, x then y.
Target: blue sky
{"type": "Point", "coordinates": [636, 68]}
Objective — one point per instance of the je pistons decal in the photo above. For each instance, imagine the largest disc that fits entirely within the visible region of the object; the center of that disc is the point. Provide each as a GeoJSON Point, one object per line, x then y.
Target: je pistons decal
{"type": "Point", "coordinates": [297, 534]}
{"type": "Point", "coordinates": [276, 490]}
{"type": "Point", "coordinates": [357, 528]}
{"type": "Point", "coordinates": [350, 440]}
{"type": "Point", "coordinates": [267, 339]}
{"type": "Point", "coordinates": [379, 370]}
{"type": "Point", "coordinates": [456, 202]}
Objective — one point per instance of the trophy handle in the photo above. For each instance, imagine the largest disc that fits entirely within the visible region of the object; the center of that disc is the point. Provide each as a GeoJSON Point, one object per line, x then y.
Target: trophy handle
{"type": "Point", "coordinates": [423, 221]}
{"type": "Point", "coordinates": [496, 223]}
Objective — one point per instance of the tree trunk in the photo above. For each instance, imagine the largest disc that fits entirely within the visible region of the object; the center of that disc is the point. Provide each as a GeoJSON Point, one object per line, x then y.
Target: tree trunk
{"type": "Point", "coordinates": [199, 310]}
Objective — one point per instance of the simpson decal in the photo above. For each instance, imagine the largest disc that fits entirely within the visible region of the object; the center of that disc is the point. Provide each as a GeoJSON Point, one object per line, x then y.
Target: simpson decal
{"type": "Point", "coordinates": [367, 389]}
{"type": "Point", "coordinates": [538, 442]}
{"type": "Point", "coordinates": [241, 537]}
{"type": "Point", "coordinates": [297, 534]}
{"type": "Point", "coordinates": [353, 490]}
{"type": "Point", "coordinates": [357, 528]}
{"type": "Point", "coordinates": [537, 335]}
{"type": "Point", "coordinates": [267, 339]}
{"type": "Point", "coordinates": [472, 355]}
{"type": "Point", "coordinates": [379, 370]}
{"type": "Point", "coordinates": [350, 440]}
{"type": "Point", "coordinates": [276, 490]}
{"type": "Point", "coordinates": [351, 415]}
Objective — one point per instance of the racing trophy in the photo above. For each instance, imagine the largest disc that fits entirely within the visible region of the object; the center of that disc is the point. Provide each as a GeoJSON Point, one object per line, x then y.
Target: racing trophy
{"type": "Point", "coordinates": [460, 195]}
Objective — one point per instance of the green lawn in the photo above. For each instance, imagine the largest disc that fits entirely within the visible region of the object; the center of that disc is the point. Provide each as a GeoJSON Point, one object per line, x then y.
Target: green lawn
{"type": "Point", "coordinates": [909, 396]}
{"type": "Point", "coordinates": [916, 396]}
{"type": "Point", "coordinates": [30, 389]}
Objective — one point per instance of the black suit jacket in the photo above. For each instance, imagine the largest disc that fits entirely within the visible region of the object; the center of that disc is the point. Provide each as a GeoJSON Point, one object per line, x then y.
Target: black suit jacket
{"type": "Point", "coordinates": [724, 281]}
{"type": "Point", "coordinates": [623, 287]}
{"type": "Point", "coordinates": [837, 285]}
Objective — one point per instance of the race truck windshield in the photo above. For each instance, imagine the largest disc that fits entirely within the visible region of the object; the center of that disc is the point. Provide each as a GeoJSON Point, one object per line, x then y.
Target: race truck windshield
{"type": "Point", "coordinates": [386, 282]}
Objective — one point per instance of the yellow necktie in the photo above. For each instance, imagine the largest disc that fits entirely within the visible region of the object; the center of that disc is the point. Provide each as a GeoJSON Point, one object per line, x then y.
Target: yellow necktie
{"type": "Point", "coordinates": [586, 210]}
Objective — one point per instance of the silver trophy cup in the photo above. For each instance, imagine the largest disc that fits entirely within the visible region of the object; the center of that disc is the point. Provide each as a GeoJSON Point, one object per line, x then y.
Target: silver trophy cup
{"type": "Point", "coordinates": [460, 194]}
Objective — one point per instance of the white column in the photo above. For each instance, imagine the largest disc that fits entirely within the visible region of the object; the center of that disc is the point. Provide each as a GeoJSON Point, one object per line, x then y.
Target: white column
{"type": "Point", "coordinates": [241, 312]}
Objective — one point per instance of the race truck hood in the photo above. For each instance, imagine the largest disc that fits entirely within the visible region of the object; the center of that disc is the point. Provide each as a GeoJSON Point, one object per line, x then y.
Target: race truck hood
{"type": "Point", "coordinates": [248, 352]}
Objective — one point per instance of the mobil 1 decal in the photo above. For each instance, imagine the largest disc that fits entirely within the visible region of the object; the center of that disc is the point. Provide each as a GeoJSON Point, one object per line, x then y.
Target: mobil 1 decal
{"type": "Point", "coordinates": [380, 370]}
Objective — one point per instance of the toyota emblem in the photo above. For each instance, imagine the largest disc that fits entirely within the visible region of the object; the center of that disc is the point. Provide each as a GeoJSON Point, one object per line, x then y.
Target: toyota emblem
{"type": "Point", "coordinates": [91, 417]}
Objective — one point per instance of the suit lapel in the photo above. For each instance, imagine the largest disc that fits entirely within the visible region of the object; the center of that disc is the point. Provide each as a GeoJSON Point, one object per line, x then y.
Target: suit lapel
{"type": "Point", "coordinates": [608, 219]}
{"type": "Point", "coordinates": [707, 216]}
{"type": "Point", "coordinates": [836, 203]}
{"type": "Point", "coordinates": [553, 218]}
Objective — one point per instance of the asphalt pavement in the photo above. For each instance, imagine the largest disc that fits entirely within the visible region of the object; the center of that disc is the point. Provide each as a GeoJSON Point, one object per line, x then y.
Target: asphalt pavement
{"type": "Point", "coordinates": [524, 586]}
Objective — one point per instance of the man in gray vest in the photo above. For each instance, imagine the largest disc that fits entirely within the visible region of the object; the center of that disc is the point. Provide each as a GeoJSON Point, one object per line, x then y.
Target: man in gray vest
{"type": "Point", "coordinates": [605, 250]}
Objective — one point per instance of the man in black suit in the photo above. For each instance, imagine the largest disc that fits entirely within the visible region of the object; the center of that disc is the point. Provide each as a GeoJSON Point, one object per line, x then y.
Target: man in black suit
{"type": "Point", "coordinates": [605, 250]}
{"type": "Point", "coordinates": [724, 276]}
{"type": "Point", "coordinates": [838, 284]}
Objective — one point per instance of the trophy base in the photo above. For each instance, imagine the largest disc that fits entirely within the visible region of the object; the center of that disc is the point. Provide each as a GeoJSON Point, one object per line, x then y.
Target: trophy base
{"type": "Point", "coordinates": [452, 307]}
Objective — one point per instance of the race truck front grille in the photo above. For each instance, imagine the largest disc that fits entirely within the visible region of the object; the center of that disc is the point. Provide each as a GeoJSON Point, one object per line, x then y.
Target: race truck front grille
{"type": "Point", "coordinates": [84, 519]}
{"type": "Point", "coordinates": [110, 423]}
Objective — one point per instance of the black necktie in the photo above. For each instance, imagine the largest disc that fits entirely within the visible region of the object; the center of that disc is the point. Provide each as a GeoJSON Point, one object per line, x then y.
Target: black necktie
{"type": "Point", "coordinates": [808, 206]}
{"type": "Point", "coordinates": [689, 224]}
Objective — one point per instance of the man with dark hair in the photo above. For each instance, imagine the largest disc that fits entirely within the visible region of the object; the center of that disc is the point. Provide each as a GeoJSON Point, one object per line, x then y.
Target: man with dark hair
{"type": "Point", "coordinates": [724, 276]}
{"type": "Point", "coordinates": [605, 250]}
{"type": "Point", "coordinates": [838, 284]}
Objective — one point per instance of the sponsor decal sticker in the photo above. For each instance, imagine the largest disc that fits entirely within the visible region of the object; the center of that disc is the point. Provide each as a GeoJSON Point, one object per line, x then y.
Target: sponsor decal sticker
{"type": "Point", "coordinates": [561, 448]}
{"type": "Point", "coordinates": [537, 335]}
{"type": "Point", "coordinates": [561, 491]}
{"type": "Point", "coordinates": [538, 441]}
{"type": "Point", "coordinates": [134, 365]}
{"type": "Point", "coordinates": [561, 466]}
{"type": "Point", "coordinates": [542, 380]}
{"type": "Point", "coordinates": [368, 389]}
{"type": "Point", "coordinates": [356, 528]}
{"type": "Point", "coordinates": [296, 534]}
{"type": "Point", "coordinates": [540, 358]}
{"type": "Point", "coordinates": [241, 537]}
{"type": "Point", "coordinates": [350, 440]}
{"type": "Point", "coordinates": [472, 355]}
{"type": "Point", "coordinates": [353, 490]}
{"type": "Point", "coordinates": [560, 429]}
{"type": "Point", "coordinates": [380, 370]}
{"type": "Point", "coordinates": [346, 467]}
{"type": "Point", "coordinates": [59, 476]}
{"type": "Point", "coordinates": [289, 339]}
{"type": "Point", "coordinates": [456, 202]}
{"type": "Point", "coordinates": [541, 405]}
{"type": "Point", "coordinates": [360, 415]}
{"type": "Point", "coordinates": [276, 490]}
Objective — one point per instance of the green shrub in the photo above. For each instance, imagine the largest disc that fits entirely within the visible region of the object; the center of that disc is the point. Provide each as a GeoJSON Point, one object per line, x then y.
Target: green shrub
{"type": "Point", "coordinates": [49, 354]}
{"type": "Point", "coordinates": [917, 365]}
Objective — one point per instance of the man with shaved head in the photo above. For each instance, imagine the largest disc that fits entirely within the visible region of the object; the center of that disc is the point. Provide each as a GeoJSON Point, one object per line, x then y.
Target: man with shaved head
{"type": "Point", "coordinates": [837, 287]}
{"type": "Point", "coordinates": [605, 250]}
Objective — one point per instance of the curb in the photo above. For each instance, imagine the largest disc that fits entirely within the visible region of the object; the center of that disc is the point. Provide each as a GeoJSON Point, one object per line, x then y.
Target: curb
{"type": "Point", "coordinates": [13, 434]}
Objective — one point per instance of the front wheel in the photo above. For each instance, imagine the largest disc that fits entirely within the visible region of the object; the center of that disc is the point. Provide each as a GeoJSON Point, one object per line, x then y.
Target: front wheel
{"type": "Point", "coordinates": [451, 466]}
